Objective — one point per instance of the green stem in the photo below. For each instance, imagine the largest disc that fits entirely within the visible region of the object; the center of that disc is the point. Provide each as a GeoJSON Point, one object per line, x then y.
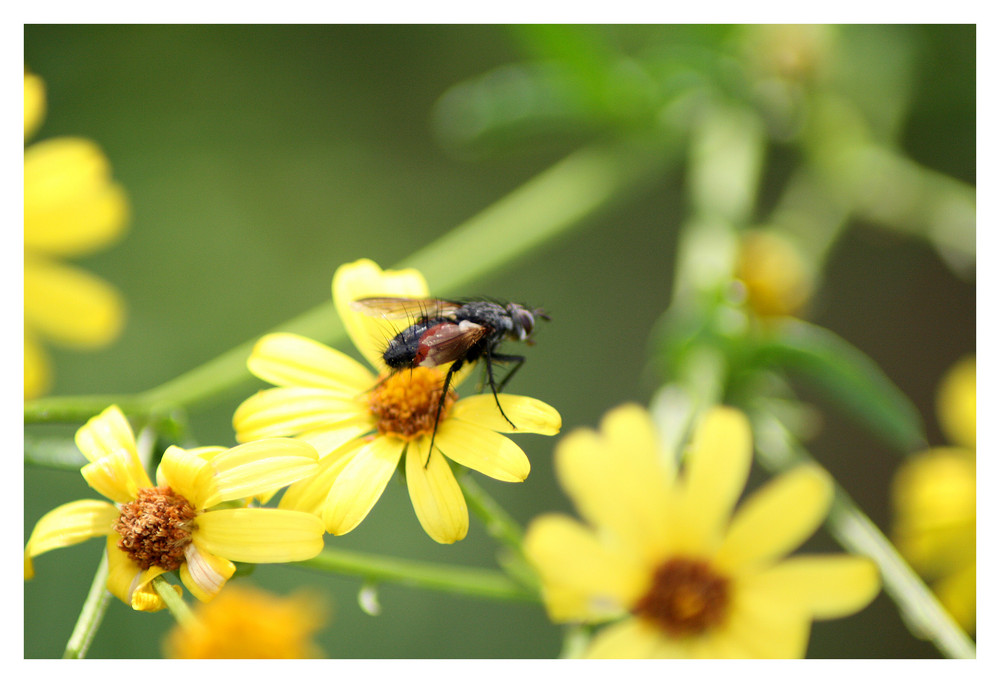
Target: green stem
{"type": "Point", "coordinates": [482, 583]}
{"type": "Point", "coordinates": [92, 614]}
{"type": "Point", "coordinates": [175, 603]}
{"type": "Point", "coordinates": [778, 450]}
{"type": "Point", "coordinates": [499, 524]}
{"type": "Point", "coordinates": [547, 206]}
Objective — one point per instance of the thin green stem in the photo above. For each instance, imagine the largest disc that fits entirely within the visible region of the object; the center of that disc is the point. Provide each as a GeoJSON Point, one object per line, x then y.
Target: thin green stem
{"type": "Point", "coordinates": [175, 603]}
{"type": "Point", "coordinates": [547, 206]}
{"type": "Point", "coordinates": [476, 582]}
{"type": "Point", "coordinates": [92, 614]}
{"type": "Point", "coordinates": [499, 524]}
{"type": "Point", "coordinates": [778, 450]}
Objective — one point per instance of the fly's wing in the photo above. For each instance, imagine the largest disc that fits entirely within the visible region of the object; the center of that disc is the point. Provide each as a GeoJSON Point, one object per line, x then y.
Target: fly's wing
{"type": "Point", "coordinates": [447, 342]}
{"type": "Point", "coordinates": [401, 307]}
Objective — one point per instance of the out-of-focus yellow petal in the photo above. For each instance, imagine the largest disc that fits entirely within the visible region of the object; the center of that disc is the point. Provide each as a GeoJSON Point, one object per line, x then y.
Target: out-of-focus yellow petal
{"type": "Point", "coordinates": [957, 592]}
{"type": "Point", "coordinates": [360, 484]}
{"type": "Point", "coordinates": [826, 586]}
{"type": "Point", "coordinates": [203, 573]}
{"type": "Point", "coordinates": [956, 403]}
{"type": "Point", "coordinates": [436, 496]}
{"type": "Point", "coordinates": [529, 415]}
{"type": "Point", "coordinates": [190, 476]}
{"type": "Point", "coordinates": [934, 499]}
{"type": "Point", "coordinates": [308, 495]}
{"type": "Point", "coordinates": [129, 583]}
{"type": "Point", "coordinates": [583, 578]}
{"type": "Point", "coordinates": [259, 534]}
{"type": "Point", "coordinates": [260, 466]}
{"type": "Point", "coordinates": [715, 471]}
{"type": "Point", "coordinates": [364, 278]}
{"type": "Point", "coordinates": [71, 206]}
{"type": "Point", "coordinates": [756, 628]}
{"type": "Point", "coordinates": [289, 360]}
{"type": "Point", "coordinates": [634, 639]}
{"type": "Point", "coordinates": [776, 518]}
{"type": "Point", "coordinates": [68, 525]}
{"type": "Point", "coordinates": [618, 481]}
{"type": "Point", "coordinates": [34, 103]}
{"type": "Point", "coordinates": [477, 448]}
{"type": "Point", "coordinates": [290, 411]}
{"type": "Point", "coordinates": [37, 370]}
{"type": "Point", "coordinates": [69, 305]}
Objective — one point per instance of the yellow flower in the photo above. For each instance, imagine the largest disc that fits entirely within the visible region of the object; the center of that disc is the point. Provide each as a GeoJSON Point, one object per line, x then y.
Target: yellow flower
{"type": "Point", "coordinates": [71, 208]}
{"type": "Point", "coordinates": [662, 552]}
{"type": "Point", "coordinates": [247, 623]}
{"type": "Point", "coordinates": [172, 526]}
{"type": "Point", "coordinates": [934, 501]}
{"type": "Point", "coordinates": [774, 274]}
{"type": "Point", "coordinates": [362, 422]}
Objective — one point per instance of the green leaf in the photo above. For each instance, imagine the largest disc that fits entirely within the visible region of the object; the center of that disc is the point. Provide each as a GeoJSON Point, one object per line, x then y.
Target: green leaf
{"type": "Point", "coordinates": [846, 376]}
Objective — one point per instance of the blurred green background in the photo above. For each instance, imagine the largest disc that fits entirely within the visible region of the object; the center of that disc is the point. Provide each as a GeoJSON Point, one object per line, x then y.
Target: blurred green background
{"type": "Point", "coordinates": [259, 158]}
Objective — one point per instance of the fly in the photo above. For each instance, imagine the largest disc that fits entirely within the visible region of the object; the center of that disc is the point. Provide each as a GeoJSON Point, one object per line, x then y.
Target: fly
{"type": "Point", "coordinates": [453, 332]}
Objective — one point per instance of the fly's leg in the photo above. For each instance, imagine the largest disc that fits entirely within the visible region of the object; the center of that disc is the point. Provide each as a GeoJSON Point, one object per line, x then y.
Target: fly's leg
{"type": "Point", "coordinates": [493, 386]}
{"type": "Point", "coordinates": [437, 417]}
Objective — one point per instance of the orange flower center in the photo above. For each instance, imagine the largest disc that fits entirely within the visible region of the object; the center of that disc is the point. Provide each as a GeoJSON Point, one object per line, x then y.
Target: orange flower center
{"type": "Point", "coordinates": [156, 527]}
{"type": "Point", "coordinates": [405, 404]}
{"type": "Point", "coordinates": [686, 598]}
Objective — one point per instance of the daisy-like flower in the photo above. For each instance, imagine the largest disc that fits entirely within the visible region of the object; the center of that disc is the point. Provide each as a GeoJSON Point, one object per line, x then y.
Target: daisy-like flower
{"type": "Point", "coordinates": [363, 422]}
{"type": "Point", "coordinates": [934, 501]}
{"type": "Point", "coordinates": [662, 553]}
{"type": "Point", "coordinates": [248, 623]}
{"type": "Point", "coordinates": [71, 208]}
{"type": "Point", "coordinates": [180, 524]}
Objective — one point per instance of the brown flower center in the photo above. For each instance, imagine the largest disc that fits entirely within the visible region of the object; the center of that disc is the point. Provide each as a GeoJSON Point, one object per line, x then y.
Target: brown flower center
{"type": "Point", "coordinates": [405, 404]}
{"type": "Point", "coordinates": [686, 598]}
{"type": "Point", "coordinates": [156, 527]}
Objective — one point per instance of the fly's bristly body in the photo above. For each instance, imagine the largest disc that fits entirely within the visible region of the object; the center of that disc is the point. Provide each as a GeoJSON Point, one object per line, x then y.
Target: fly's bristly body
{"type": "Point", "coordinates": [456, 332]}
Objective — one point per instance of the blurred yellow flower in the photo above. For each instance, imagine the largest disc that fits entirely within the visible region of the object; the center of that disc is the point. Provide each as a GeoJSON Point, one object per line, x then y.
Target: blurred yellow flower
{"type": "Point", "coordinates": [662, 552]}
{"type": "Point", "coordinates": [152, 530]}
{"type": "Point", "coordinates": [244, 622]}
{"type": "Point", "coordinates": [934, 501]}
{"type": "Point", "coordinates": [362, 422]}
{"type": "Point", "coordinates": [774, 274]}
{"type": "Point", "coordinates": [71, 208]}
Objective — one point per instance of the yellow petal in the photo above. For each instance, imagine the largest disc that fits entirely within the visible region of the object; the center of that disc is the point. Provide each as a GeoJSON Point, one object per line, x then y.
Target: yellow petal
{"type": "Point", "coordinates": [37, 370]}
{"type": "Point", "coordinates": [106, 433]}
{"type": "Point", "coordinates": [957, 592]}
{"type": "Point", "coordinates": [529, 415]}
{"type": "Point", "coordinates": [71, 206]}
{"type": "Point", "coordinates": [634, 639]}
{"type": "Point", "coordinates": [259, 534]}
{"type": "Point", "coordinates": [583, 578]}
{"type": "Point", "coordinates": [618, 482]}
{"type": "Point", "coordinates": [824, 586]}
{"type": "Point", "coordinates": [477, 448]}
{"type": "Point", "coordinates": [203, 573]}
{"type": "Point", "coordinates": [715, 471]}
{"type": "Point", "coordinates": [70, 306]}
{"type": "Point", "coordinates": [260, 466]}
{"type": "Point", "coordinates": [190, 476]}
{"type": "Point", "coordinates": [760, 629]}
{"type": "Point", "coordinates": [777, 518]}
{"type": "Point", "coordinates": [67, 525]}
{"type": "Point", "coordinates": [290, 411]}
{"type": "Point", "coordinates": [129, 583]}
{"type": "Point", "coordinates": [360, 484]}
{"type": "Point", "coordinates": [956, 403]}
{"type": "Point", "coordinates": [289, 360]}
{"type": "Point", "coordinates": [309, 494]}
{"type": "Point", "coordinates": [34, 103]}
{"type": "Point", "coordinates": [364, 278]}
{"type": "Point", "coordinates": [436, 496]}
